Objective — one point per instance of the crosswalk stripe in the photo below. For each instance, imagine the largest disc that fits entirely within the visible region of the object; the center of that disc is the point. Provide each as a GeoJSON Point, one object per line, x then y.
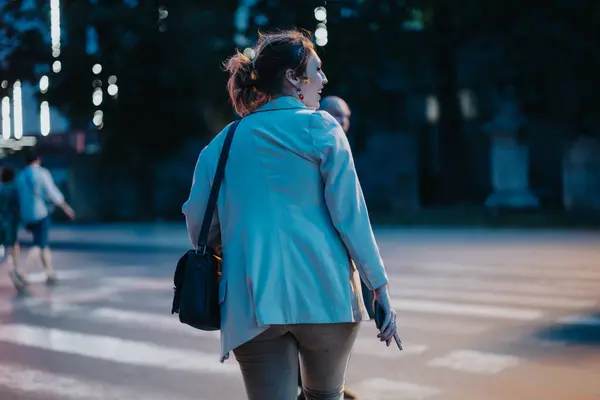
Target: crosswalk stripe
{"type": "Point", "coordinates": [586, 320]}
{"type": "Point", "coordinates": [163, 322]}
{"type": "Point", "coordinates": [32, 381]}
{"type": "Point", "coordinates": [82, 296]}
{"type": "Point", "coordinates": [440, 326]}
{"type": "Point", "coordinates": [387, 389]}
{"type": "Point", "coordinates": [567, 268]}
{"type": "Point", "coordinates": [475, 362]}
{"type": "Point", "coordinates": [169, 323]}
{"type": "Point", "coordinates": [150, 320]}
{"type": "Point", "coordinates": [371, 346]}
{"type": "Point", "coordinates": [149, 284]}
{"type": "Point", "coordinates": [439, 307]}
{"type": "Point", "coordinates": [469, 283]}
{"type": "Point", "coordinates": [39, 277]}
{"type": "Point", "coordinates": [498, 298]}
{"type": "Point", "coordinates": [364, 345]}
{"type": "Point", "coordinates": [114, 349]}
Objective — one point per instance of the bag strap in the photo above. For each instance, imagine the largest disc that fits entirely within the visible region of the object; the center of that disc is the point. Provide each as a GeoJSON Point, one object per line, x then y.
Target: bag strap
{"type": "Point", "coordinates": [214, 190]}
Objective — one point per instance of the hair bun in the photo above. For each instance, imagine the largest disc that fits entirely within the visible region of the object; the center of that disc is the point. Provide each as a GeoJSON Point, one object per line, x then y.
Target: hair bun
{"type": "Point", "coordinates": [241, 67]}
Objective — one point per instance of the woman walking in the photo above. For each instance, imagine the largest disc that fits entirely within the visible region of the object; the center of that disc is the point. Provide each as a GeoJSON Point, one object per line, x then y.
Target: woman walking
{"type": "Point", "coordinates": [290, 218]}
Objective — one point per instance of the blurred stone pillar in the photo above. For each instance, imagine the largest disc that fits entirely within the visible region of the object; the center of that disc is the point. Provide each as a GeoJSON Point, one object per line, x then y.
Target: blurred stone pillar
{"type": "Point", "coordinates": [581, 175]}
{"type": "Point", "coordinates": [509, 161]}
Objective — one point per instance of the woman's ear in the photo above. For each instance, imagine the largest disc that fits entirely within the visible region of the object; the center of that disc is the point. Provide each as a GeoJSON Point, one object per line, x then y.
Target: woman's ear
{"type": "Point", "coordinates": [290, 76]}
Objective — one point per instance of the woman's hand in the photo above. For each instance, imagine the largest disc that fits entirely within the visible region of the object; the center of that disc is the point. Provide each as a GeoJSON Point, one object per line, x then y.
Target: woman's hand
{"type": "Point", "coordinates": [388, 326]}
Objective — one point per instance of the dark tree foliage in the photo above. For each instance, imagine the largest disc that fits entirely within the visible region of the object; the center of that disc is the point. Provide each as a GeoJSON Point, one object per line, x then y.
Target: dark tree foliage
{"type": "Point", "coordinates": [24, 43]}
{"type": "Point", "coordinates": [172, 87]}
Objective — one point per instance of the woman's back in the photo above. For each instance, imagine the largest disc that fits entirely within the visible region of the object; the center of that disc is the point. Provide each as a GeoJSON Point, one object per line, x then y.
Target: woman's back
{"type": "Point", "coordinates": [289, 198]}
{"type": "Point", "coordinates": [290, 218]}
{"type": "Point", "coordinates": [273, 206]}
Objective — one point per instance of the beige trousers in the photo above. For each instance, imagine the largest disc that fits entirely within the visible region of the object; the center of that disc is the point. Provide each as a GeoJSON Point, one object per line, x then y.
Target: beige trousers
{"type": "Point", "coordinates": [269, 362]}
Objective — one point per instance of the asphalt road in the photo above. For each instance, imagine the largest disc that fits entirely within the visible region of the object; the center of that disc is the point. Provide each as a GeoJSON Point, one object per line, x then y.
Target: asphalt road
{"type": "Point", "coordinates": [484, 315]}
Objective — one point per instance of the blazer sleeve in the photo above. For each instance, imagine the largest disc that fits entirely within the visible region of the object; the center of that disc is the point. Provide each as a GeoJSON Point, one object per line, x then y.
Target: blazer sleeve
{"type": "Point", "coordinates": [195, 206]}
{"type": "Point", "coordinates": [344, 198]}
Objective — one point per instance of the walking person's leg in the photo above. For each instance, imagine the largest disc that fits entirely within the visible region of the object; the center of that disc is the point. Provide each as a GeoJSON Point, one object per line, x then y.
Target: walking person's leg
{"type": "Point", "coordinates": [46, 253]}
{"type": "Point", "coordinates": [324, 353]}
{"type": "Point", "coordinates": [13, 255]}
{"type": "Point", "coordinates": [40, 239]}
{"type": "Point", "coordinates": [269, 365]}
{"type": "Point", "coordinates": [11, 249]}
{"type": "Point", "coordinates": [34, 254]}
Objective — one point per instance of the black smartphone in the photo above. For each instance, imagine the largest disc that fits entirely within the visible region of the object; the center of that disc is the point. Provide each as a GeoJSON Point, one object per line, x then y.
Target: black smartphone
{"type": "Point", "coordinates": [379, 317]}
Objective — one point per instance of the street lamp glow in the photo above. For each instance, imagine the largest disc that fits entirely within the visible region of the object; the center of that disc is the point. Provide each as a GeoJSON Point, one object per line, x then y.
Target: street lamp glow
{"type": "Point", "coordinates": [98, 119]}
{"type": "Point", "coordinates": [4, 84]}
{"type": "Point", "coordinates": [320, 14]}
{"type": "Point", "coordinates": [44, 118]}
{"type": "Point", "coordinates": [322, 41]}
{"type": "Point", "coordinates": [56, 66]}
{"type": "Point", "coordinates": [112, 90]}
{"type": "Point", "coordinates": [17, 110]}
{"type": "Point", "coordinates": [44, 84]}
{"type": "Point", "coordinates": [55, 27]}
{"type": "Point", "coordinates": [321, 31]}
{"type": "Point", "coordinates": [97, 97]}
{"type": "Point", "coordinates": [96, 69]}
{"type": "Point", "coordinates": [6, 117]}
{"type": "Point", "coordinates": [163, 13]}
{"type": "Point", "coordinates": [432, 109]}
{"type": "Point", "coordinates": [112, 80]}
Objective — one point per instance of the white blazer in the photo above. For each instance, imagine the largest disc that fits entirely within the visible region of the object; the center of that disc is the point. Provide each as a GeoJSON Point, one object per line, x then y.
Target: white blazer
{"type": "Point", "coordinates": [291, 217]}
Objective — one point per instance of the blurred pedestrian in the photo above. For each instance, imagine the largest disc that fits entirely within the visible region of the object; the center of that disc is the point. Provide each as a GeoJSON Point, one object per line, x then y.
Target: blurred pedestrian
{"type": "Point", "coordinates": [9, 220]}
{"type": "Point", "coordinates": [38, 196]}
{"type": "Point", "coordinates": [289, 217]}
{"type": "Point", "coordinates": [338, 109]}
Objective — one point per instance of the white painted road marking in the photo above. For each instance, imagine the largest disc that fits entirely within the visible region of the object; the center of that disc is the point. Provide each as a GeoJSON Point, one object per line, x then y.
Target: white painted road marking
{"type": "Point", "coordinates": [114, 349]}
{"type": "Point", "coordinates": [140, 283]}
{"type": "Point", "coordinates": [386, 389]}
{"type": "Point", "coordinates": [589, 320]}
{"type": "Point", "coordinates": [371, 346]}
{"type": "Point", "coordinates": [164, 322]}
{"type": "Point", "coordinates": [475, 362]}
{"type": "Point", "coordinates": [443, 307]}
{"type": "Point", "coordinates": [39, 277]}
{"type": "Point", "coordinates": [441, 326]}
{"type": "Point", "coordinates": [567, 271]}
{"type": "Point", "coordinates": [489, 284]}
{"type": "Point", "coordinates": [48, 385]}
{"type": "Point", "coordinates": [496, 298]}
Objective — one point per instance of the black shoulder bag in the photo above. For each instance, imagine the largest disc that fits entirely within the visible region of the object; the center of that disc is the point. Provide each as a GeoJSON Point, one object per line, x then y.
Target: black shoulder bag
{"type": "Point", "coordinates": [198, 272]}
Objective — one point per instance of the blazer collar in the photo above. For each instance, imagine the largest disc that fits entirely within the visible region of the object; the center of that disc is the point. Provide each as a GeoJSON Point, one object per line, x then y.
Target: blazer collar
{"type": "Point", "coordinates": [283, 102]}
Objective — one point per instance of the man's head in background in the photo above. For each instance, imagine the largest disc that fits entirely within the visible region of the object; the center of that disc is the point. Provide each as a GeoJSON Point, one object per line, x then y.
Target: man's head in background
{"type": "Point", "coordinates": [32, 157]}
{"type": "Point", "coordinates": [338, 109]}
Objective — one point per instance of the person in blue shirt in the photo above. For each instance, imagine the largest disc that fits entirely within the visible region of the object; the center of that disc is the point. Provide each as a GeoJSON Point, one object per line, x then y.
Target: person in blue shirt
{"type": "Point", "coordinates": [38, 196]}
